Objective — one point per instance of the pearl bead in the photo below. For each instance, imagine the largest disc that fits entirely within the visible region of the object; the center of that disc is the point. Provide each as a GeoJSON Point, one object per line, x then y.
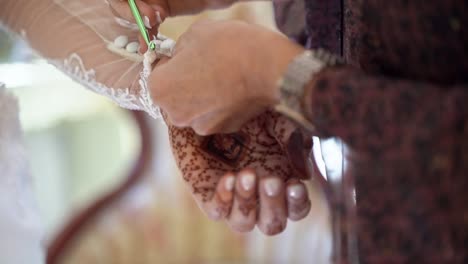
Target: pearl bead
{"type": "Point", "coordinates": [167, 45]}
{"type": "Point", "coordinates": [133, 47]}
{"type": "Point", "coordinates": [121, 41]}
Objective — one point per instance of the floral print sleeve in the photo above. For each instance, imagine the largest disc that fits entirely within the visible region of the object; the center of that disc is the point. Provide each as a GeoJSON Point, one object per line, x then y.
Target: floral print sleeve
{"type": "Point", "coordinates": [409, 158]}
{"type": "Point", "coordinates": [375, 113]}
{"type": "Point", "coordinates": [400, 105]}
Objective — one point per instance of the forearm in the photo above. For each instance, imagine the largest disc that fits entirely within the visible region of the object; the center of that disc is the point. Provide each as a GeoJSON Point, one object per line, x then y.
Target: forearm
{"type": "Point", "coordinates": [375, 113]}
{"type": "Point", "coordinates": [17, 15]}
{"type": "Point", "coordinates": [44, 25]}
{"type": "Point", "coordinates": [78, 38]}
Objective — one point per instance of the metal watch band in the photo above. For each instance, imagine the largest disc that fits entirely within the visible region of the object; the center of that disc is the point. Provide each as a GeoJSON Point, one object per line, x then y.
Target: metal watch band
{"type": "Point", "coordinates": [299, 72]}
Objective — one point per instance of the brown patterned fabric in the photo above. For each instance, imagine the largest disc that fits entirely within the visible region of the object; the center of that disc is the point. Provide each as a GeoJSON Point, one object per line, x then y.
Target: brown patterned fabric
{"type": "Point", "coordinates": [324, 25]}
{"type": "Point", "coordinates": [314, 24]}
{"type": "Point", "coordinates": [401, 105]}
{"type": "Point", "coordinates": [290, 18]}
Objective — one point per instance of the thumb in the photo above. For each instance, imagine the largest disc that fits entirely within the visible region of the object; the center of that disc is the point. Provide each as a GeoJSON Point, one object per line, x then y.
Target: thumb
{"type": "Point", "coordinates": [160, 80]}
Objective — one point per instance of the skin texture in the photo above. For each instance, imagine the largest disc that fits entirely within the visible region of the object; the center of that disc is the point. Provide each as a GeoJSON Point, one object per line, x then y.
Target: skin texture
{"type": "Point", "coordinates": [170, 7]}
{"type": "Point", "coordinates": [262, 151]}
{"type": "Point", "coordinates": [158, 10]}
{"type": "Point", "coordinates": [206, 84]}
{"type": "Point", "coordinates": [222, 74]}
{"type": "Point", "coordinates": [209, 164]}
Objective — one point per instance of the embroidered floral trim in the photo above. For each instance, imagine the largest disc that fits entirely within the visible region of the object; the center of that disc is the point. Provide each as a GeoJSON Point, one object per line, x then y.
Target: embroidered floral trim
{"type": "Point", "coordinates": [73, 66]}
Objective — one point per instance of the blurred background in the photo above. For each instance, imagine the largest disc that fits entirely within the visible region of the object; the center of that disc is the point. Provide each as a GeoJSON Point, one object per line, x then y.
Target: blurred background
{"type": "Point", "coordinates": [81, 146]}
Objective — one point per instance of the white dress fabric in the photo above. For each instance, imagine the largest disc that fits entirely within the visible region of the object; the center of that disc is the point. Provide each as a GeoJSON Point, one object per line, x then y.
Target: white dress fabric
{"type": "Point", "coordinates": [78, 37]}
{"type": "Point", "coordinates": [20, 226]}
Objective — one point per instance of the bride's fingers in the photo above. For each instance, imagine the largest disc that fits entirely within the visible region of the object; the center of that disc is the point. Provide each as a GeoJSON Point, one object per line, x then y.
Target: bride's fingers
{"type": "Point", "coordinates": [298, 200]}
{"type": "Point", "coordinates": [143, 45]}
{"type": "Point", "coordinates": [243, 215]}
{"type": "Point", "coordinates": [293, 142]}
{"type": "Point", "coordinates": [220, 205]}
{"type": "Point", "coordinates": [152, 15]}
{"type": "Point", "coordinates": [153, 33]}
{"type": "Point", "coordinates": [273, 212]}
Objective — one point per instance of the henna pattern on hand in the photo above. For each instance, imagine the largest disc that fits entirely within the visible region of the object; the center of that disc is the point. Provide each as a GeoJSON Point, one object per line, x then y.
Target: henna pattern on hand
{"type": "Point", "coordinates": [247, 205]}
{"type": "Point", "coordinates": [275, 226]}
{"type": "Point", "coordinates": [260, 145]}
{"type": "Point", "coordinates": [223, 208]}
{"type": "Point", "coordinates": [229, 148]}
{"type": "Point", "coordinates": [299, 207]}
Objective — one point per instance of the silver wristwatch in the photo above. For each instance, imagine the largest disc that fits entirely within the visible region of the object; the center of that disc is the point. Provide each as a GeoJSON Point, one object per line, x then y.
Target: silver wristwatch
{"type": "Point", "coordinates": [299, 72]}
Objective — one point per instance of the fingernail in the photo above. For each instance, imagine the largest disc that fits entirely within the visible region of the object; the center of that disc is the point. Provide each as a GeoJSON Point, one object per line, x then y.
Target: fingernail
{"type": "Point", "coordinates": [247, 180]}
{"type": "Point", "coordinates": [229, 183]}
{"type": "Point", "coordinates": [158, 17]}
{"type": "Point", "coordinates": [272, 187]}
{"type": "Point", "coordinates": [147, 22]}
{"type": "Point", "coordinates": [296, 191]}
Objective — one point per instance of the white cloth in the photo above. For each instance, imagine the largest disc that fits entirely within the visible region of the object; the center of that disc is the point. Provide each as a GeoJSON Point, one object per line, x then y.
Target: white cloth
{"type": "Point", "coordinates": [78, 37]}
{"type": "Point", "coordinates": [20, 226]}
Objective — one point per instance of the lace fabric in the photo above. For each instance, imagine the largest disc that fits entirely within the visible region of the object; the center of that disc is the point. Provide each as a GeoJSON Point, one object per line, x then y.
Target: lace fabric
{"type": "Point", "coordinates": [79, 38]}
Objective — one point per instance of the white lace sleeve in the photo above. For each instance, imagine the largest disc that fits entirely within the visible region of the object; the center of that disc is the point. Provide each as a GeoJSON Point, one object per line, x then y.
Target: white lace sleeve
{"type": "Point", "coordinates": [86, 41]}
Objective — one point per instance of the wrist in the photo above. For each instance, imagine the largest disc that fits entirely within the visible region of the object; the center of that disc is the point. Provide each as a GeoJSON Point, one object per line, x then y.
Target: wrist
{"type": "Point", "coordinates": [292, 86]}
{"type": "Point", "coordinates": [279, 53]}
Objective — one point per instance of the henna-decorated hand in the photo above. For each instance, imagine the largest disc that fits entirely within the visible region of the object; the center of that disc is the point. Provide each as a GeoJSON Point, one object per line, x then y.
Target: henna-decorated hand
{"type": "Point", "coordinates": [247, 178]}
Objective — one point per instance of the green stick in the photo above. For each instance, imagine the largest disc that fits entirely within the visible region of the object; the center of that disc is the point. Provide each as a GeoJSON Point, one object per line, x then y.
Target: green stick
{"type": "Point", "coordinates": [141, 25]}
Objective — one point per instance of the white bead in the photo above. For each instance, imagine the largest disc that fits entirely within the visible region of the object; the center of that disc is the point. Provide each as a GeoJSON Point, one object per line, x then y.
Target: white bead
{"type": "Point", "coordinates": [167, 45]}
{"type": "Point", "coordinates": [121, 41]}
{"type": "Point", "coordinates": [133, 47]}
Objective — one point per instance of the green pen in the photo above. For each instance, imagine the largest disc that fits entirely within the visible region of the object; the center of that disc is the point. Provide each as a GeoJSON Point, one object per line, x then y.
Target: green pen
{"type": "Point", "coordinates": [141, 25]}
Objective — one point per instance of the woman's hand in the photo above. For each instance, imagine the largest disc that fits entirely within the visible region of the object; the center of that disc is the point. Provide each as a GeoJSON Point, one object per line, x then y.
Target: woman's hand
{"type": "Point", "coordinates": [250, 178]}
{"type": "Point", "coordinates": [157, 10]}
{"type": "Point", "coordinates": [222, 74]}
{"type": "Point", "coordinates": [154, 12]}
{"type": "Point", "coordinates": [169, 7]}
